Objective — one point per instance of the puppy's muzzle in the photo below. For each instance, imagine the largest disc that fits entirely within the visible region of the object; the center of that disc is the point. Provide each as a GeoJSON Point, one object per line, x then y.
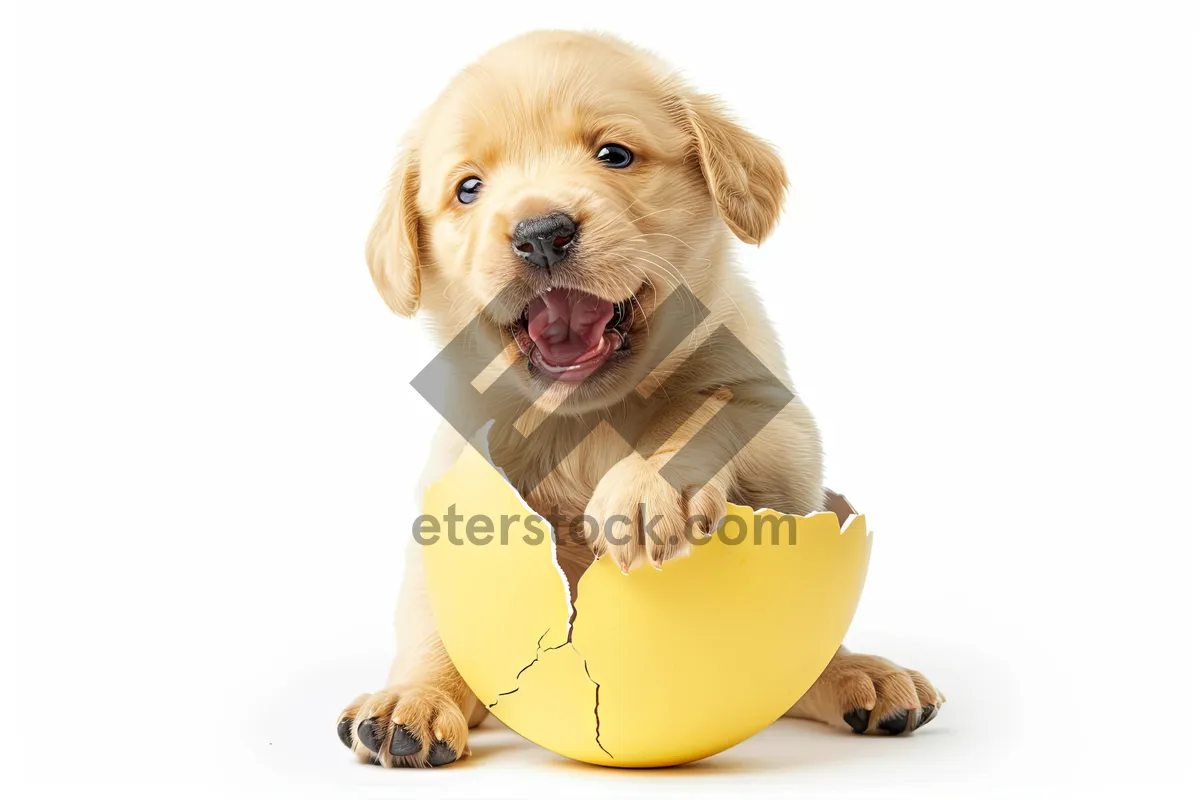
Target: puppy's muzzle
{"type": "Point", "coordinates": [543, 241]}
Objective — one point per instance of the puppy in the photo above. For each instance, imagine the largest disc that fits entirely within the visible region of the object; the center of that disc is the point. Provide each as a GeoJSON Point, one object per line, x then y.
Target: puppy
{"type": "Point", "coordinates": [565, 212]}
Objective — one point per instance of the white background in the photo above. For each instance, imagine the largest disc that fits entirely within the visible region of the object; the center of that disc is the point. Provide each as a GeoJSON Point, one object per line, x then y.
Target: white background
{"type": "Point", "coordinates": [983, 282]}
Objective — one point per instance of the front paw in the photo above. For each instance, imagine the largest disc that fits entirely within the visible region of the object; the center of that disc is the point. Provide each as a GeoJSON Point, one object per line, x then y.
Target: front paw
{"type": "Point", "coordinates": [405, 726]}
{"type": "Point", "coordinates": [878, 697]}
{"type": "Point", "coordinates": [636, 514]}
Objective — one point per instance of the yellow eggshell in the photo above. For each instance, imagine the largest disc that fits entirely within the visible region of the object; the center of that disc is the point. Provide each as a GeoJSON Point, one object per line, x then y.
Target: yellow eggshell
{"type": "Point", "coordinates": [660, 668]}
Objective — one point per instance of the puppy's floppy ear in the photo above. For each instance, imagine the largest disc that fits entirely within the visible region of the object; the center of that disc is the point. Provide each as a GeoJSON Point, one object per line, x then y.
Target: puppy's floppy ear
{"type": "Point", "coordinates": [393, 247]}
{"type": "Point", "coordinates": [744, 174]}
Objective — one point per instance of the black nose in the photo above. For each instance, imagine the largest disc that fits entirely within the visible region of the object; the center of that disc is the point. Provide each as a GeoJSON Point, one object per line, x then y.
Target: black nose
{"type": "Point", "coordinates": [543, 241]}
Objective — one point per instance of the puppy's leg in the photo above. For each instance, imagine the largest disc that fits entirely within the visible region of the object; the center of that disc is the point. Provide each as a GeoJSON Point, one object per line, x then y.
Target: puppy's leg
{"type": "Point", "coordinates": [421, 718]}
{"type": "Point", "coordinates": [869, 694]}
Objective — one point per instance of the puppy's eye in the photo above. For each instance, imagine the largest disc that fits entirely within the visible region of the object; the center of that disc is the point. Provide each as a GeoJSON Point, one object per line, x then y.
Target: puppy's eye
{"type": "Point", "coordinates": [614, 156]}
{"type": "Point", "coordinates": [469, 189]}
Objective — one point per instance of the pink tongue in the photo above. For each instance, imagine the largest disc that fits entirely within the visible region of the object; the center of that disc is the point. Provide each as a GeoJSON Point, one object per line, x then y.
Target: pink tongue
{"type": "Point", "coordinates": [567, 325]}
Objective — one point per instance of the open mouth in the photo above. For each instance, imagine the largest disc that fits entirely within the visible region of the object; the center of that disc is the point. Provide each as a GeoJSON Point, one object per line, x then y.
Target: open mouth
{"type": "Point", "coordinates": [567, 335]}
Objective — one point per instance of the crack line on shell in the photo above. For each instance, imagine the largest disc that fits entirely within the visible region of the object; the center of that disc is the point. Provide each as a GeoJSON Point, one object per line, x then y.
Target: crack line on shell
{"type": "Point", "coordinates": [596, 710]}
{"type": "Point", "coordinates": [537, 655]}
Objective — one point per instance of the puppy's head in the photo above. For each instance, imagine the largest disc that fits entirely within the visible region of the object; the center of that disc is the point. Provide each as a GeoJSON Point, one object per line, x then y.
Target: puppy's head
{"type": "Point", "coordinates": [560, 190]}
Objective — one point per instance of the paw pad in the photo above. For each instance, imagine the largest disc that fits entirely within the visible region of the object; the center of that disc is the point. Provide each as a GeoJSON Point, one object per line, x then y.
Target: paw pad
{"type": "Point", "coordinates": [343, 729]}
{"type": "Point", "coordinates": [857, 719]}
{"type": "Point", "coordinates": [896, 724]}
{"type": "Point", "coordinates": [405, 744]}
{"type": "Point", "coordinates": [441, 754]}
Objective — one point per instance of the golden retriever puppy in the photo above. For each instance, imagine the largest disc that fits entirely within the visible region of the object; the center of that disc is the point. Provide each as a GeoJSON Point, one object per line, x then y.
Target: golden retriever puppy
{"type": "Point", "coordinates": [566, 213]}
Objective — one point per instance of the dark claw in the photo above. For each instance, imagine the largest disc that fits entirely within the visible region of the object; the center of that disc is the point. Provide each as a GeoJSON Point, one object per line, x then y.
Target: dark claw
{"type": "Point", "coordinates": [403, 742]}
{"type": "Point", "coordinates": [927, 713]}
{"type": "Point", "coordinates": [895, 724]}
{"type": "Point", "coordinates": [857, 719]}
{"type": "Point", "coordinates": [440, 754]}
{"type": "Point", "coordinates": [369, 735]}
{"type": "Point", "coordinates": [344, 731]}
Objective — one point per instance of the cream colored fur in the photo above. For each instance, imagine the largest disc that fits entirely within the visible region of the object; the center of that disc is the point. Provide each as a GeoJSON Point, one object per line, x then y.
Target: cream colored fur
{"type": "Point", "coordinates": [527, 119]}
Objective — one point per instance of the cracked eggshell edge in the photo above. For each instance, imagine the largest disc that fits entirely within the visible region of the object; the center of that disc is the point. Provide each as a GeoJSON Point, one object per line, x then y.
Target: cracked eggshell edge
{"type": "Point", "coordinates": [652, 675]}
